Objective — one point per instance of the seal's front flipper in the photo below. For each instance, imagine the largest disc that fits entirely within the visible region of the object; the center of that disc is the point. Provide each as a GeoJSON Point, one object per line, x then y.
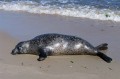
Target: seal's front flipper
{"type": "Point", "coordinates": [42, 55]}
{"type": "Point", "coordinates": [103, 46]}
{"type": "Point", "coordinates": [41, 59]}
{"type": "Point", "coordinates": [104, 57]}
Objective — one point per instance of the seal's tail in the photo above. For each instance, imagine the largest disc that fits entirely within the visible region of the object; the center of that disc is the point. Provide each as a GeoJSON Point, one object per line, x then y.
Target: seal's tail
{"type": "Point", "coordinates": [103, 46]}
{"type": "Point", "coordinates": [104, 57]}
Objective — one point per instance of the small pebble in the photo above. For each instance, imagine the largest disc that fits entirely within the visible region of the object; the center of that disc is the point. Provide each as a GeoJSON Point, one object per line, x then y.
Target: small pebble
{"type": "Point", "coordinates": [22, 63]}
{"type": "Point", "coordinates": [109, 68]}
{"type": "Point", "coordinates": [71, 61]}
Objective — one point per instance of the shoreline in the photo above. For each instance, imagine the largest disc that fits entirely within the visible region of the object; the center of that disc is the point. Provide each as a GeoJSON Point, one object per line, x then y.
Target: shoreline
{"type": "Point", "coordinates": [16, 27]}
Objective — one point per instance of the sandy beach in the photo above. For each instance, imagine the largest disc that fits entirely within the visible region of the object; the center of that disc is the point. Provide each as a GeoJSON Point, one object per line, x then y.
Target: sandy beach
{"type": "Point", "coordinates": [20, 26]}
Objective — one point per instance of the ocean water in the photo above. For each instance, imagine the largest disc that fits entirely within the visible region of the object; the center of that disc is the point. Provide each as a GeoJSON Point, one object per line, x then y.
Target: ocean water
{"type": "Point", "coordinates": [92, 9]}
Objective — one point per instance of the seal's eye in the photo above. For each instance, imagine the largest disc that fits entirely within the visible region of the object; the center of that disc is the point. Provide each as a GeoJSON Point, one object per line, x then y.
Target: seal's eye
{"type": "Point", "coordinates": [19, 48]}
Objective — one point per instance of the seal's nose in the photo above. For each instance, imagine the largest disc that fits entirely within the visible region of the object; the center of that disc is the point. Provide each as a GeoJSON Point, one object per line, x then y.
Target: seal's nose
{"type": "Point", "coordinates": [13, 52]}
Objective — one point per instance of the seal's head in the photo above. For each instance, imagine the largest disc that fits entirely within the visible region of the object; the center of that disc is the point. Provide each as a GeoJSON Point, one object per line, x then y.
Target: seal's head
{"type": "Point", "coordinates": [21, 48]}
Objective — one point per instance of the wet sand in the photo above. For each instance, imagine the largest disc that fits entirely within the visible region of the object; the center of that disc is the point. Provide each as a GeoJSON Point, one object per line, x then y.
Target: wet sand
{"type": "Point", "coordinates": [15, 27]}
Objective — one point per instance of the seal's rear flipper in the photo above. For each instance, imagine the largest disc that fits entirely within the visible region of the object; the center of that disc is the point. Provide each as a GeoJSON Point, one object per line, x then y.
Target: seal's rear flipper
{"type": "Point", "coordinates": [102, 46]}
{"type": "Point", "coordinates": [104, 57]}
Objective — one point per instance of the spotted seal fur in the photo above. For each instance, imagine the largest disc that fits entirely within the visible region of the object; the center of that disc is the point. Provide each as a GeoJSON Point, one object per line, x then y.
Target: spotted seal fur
{"type": "Point", "coordinates": [58, 44]}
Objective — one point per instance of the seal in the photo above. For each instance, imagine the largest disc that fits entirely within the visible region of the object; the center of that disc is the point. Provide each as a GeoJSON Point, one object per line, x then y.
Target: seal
{"type": "Point", "coordinates": [58, 44]}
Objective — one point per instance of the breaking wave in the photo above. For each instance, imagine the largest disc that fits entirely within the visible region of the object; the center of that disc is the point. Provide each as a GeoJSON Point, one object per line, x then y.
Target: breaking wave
{"type": "Point", "coordinates": [62, 8]}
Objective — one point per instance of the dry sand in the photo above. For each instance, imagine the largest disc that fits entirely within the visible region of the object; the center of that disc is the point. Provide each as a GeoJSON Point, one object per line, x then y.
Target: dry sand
{"type": "Point", "coordinates": [15, 26]}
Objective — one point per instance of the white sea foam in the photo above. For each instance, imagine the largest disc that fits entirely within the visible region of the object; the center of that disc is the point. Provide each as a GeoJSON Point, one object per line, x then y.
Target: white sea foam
{"type": "Point", "coordinates": [81, 11]}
